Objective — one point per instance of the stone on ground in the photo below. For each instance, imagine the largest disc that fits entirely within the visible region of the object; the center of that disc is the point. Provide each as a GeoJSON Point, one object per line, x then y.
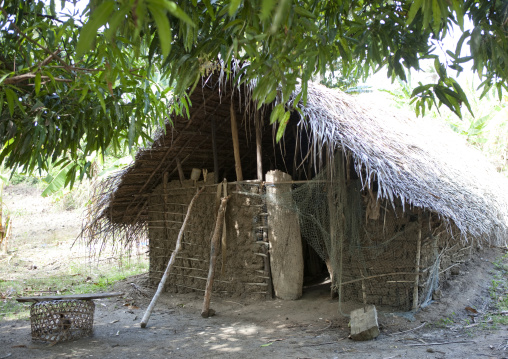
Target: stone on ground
{"type": "Point", "coordinates": [364, 324]}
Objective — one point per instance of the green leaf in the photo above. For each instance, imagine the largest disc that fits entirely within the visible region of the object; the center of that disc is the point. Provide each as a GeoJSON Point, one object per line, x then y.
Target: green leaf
{"type": "Point", "coordinates": [51, 77]}
{"type": "Point", "coordinates": [98, 18]}
{"type": "Point", "coordinates": [427, 12]}
{"type": "Point", "coordinates": [5, 76]}
{"type": "Point", "coordinates": [304, 12]}
{"type": "Point", "coordinates": [84, 92]}
{"type": "Point", "coordinates": [58, 182]}
{"type": "Point", "coordinates": [37, 83]}
{"type": "Point", "coordinates": [100, 97]}
{"type": "Point", "coordinates": [163, 28]}
{"type": "Point", "coordinates": [415, 6]}
{"type": "Point", "coordinates": [282, 126]}
{"type": "Point", "coordinates": [459, 12]}
{"type": "Point", "coordinates": [233, 6]}
{"type": "Point", "coordinates": [11, 100]}
{"type": "Point", "coordinates": [266, 9]}
{"type": "Point", "coordinates": [277, 113]}
{"type": "Point", "coordinates": [52, 10]}
{"type": "Point", "coordinates": [173, 9]}
{"type": "Point", "coordinates": [177, 12]}
{"type": "Point", "coordinates": [116, 19]}
{"type": "Point", "coordinates": [233, 23]}
{"type": "Point", "coordinates": [209, 7]}
{"type": "Point", "coordinates": [436, 16]}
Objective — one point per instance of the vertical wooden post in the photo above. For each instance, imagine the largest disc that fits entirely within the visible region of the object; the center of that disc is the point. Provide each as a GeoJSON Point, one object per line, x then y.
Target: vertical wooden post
{"type": "Point", "coordinates": [364, 290]}
{"type": "Point", "coordinates": [180, 170]}
{"type": "Point", "coordinates": [267, 272]}
{"type": "Point", "coordinates": [417, 265]}
{"type": "Point", "coordinates": [286, 252]}
{"type": "Point", "coordinates": [259, 160]}
{"type": "Point", "coordinates": [236, 143]}
{"type": "Point", "coordinates": [215, 154]}
{"type": "Point", "coordinates": [207, 312]}
{"type": "Point", "coordinates": [165, 215]}
{"type": "Point", "coordinates": [331, 263]}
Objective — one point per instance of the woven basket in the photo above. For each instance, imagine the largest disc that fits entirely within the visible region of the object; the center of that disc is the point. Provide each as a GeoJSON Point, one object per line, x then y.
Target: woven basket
{"type": "Point", "coordinates": [62, 320]}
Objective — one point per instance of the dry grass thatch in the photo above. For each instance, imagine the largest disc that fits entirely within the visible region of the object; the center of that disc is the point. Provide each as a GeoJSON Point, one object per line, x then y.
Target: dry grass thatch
{"type": "Point", "coordinates": [416, 160]}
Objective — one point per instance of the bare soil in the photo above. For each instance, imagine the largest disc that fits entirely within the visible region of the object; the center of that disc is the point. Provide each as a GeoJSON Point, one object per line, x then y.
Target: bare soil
{"type": "Point", "coordinates": [311, 327]}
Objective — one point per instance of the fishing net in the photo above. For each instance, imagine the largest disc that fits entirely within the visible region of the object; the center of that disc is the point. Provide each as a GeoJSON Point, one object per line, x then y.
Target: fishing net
{"type": "Point", "coordinates": [376, 252]}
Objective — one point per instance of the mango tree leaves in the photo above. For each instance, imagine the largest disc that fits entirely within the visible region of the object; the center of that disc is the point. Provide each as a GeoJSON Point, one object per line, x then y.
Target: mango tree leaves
{"type": "Point", "coordinates": [73, 85]}
{"type": "Point", "coordinates": [57, 108]}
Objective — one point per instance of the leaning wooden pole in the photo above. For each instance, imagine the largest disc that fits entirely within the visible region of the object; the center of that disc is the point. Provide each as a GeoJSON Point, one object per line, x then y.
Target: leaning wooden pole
{"type": "Point", "coordinates": [236, 143]}
{"type": "Point", "coordinates": [207, 312]}
{"type": "Point", "coordinates": [165, 276]}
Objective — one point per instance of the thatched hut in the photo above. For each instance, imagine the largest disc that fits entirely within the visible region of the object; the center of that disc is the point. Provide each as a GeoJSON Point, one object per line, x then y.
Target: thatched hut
{"type": "Point", "coordinates": [383, 203]}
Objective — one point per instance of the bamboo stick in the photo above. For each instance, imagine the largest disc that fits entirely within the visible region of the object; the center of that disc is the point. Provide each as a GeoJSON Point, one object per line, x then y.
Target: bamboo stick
{"type": "Point", "coordinates": [379, 276]}
{"type": "Point", "coordinates": [267, 271]}
{"type": "Point", "coordinates": [201, 278]}
{"type": "Point", "coordinates": [207, 312]}
{"type": "Point", "coordinates": [236, 143]}
{"type": "Point", "coordinates": [224, 234]}
{"type": "Point", "coordinates": [417, 266]}
{"type": "Point", "coordinates": [190, 268]}
{"type": "Point", "coordinates": [184, 286]}
{"type": "Point", "coordinates": [364, 291]}
{"type": "Point", "coordinates": [181, 175]}
{"type": "Point", "coordinates": [148, 312]}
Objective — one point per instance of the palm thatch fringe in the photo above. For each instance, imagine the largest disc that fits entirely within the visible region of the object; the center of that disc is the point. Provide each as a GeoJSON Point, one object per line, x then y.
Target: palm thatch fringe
{"type": "Point", "coordinates": [416, 160]}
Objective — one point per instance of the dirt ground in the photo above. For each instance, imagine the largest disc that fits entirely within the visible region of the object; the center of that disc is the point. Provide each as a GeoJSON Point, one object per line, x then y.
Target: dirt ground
{"type": "Point", "coordinates": [311, 327]}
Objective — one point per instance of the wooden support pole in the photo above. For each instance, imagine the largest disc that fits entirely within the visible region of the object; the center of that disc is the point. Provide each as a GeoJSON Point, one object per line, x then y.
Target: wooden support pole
{"type": "Point", "coordinates": [180, 170]}
{"type": "Point", "coordinates": [332, 261]}
{"type": "Point", "coordinates": [259, 160]}
{"type": "Point", "coordinates": [215, 154]}
{"type": "Point", "coordinates": [236, 143]}
{"type": "Point", "coordinates": [267, 272]}
{"type": "Point", "coordinates": [165, 214]}
{"type": "Point", "coordinates": [207, 312]}
{"type": "Point", "coordinates": [178, 245]}
{"type": "Point", "coordinates": [417, 265]}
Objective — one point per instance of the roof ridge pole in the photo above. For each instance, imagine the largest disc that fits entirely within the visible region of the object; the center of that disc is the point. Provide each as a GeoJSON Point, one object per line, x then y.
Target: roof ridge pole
{"type": "Point", "coordinates": [236, 143]}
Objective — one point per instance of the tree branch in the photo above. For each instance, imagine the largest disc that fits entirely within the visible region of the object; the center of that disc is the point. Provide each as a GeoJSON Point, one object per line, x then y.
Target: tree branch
{"type": "Point", "coordinates": [20, 78]}
{"type": "Point", "coordinates": [29, 39]}
{"type": "Point", "coordinates": [47, 60]}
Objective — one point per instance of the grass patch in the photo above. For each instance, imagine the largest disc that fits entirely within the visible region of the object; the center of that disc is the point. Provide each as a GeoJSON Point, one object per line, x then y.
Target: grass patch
{"type": "Point", "coordinates": [81, 278]}
{"type": "Point", "coordinates": [498, 293]}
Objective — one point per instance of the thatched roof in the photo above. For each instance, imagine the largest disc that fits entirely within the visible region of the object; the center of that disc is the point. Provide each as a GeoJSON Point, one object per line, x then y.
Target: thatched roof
{"type": "Point", "coordinates": [412, 159]}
